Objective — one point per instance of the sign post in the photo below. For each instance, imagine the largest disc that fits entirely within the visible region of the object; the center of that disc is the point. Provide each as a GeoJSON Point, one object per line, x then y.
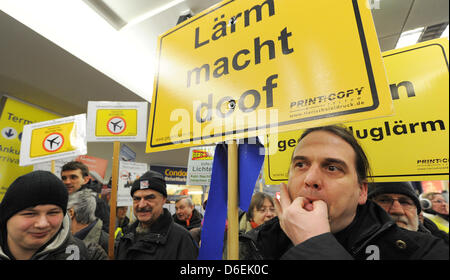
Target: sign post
{"type": "Point", "coordinates": [113, 200]}
{"type": "Point", "coordinates": [233, 199]}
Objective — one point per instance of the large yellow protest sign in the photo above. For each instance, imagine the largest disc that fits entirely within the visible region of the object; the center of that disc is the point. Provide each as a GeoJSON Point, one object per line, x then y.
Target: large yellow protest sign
{"type": "Point", "coordinates": [14, 115]}
{"type": "Point", "coordinates": [245, 67]}
{"type": "Point", "coordinates": [412, 144]}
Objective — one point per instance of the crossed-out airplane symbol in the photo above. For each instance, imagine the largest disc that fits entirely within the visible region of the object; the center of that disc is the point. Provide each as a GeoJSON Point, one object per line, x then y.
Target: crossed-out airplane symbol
{"type": "Point", "coordinates": [53, 141]}
{"type": "Point", "coordinates": [116, 124]}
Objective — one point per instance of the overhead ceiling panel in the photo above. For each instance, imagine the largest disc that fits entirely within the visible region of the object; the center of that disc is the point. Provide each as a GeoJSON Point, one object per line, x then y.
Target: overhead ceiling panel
{"type": "Point", "coordinates": [391, 16]}
{"type": "Point", "coordinates": [427, 12]}
{"type": "Point", "coordinates": [38, 71]}
{"type": "Point", "coordinates": [130, 9]}
{"type": "Point", "coordinates": [389, 42]}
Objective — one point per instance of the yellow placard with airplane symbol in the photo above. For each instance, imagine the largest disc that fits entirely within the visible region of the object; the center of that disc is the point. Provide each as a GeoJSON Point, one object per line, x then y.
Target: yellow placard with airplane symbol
{"type": "Point", "coordinates": [116, 122]}
{"type": "Point", "coordinates": [51, 140]}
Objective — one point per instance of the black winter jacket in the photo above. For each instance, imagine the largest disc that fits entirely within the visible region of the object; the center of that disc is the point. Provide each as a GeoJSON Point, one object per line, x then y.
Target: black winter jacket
{"type": "Point", "coordinates": [165, 241]}
{"type": "Point", "coordinates": [371, 236]}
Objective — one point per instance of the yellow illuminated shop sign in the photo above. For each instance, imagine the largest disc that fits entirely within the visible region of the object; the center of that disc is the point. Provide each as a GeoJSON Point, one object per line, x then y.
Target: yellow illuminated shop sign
{"type": "Point", "coordinates": [411, 145]}
{"type": "Point", "coordinates": [244, 67]}
{"type": "Point", "coordinates": [14, 115]}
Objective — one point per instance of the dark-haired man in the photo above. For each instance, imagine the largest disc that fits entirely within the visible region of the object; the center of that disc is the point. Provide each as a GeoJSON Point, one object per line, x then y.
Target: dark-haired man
{"type": "Point", "coordinates": [75, 175]}
{"type": "Point", "coordinates": [323, 212]}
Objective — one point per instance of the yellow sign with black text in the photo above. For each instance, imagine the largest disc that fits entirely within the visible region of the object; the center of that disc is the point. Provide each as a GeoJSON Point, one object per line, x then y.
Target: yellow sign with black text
{"type": "Point", "coordinates": [247, 67]}
{"type": "Point", "coordinates": [116, 122]}
{"type": "Point", "coordinates": [55, 139]}
{"type": "Point", "coordinates": [51, 140]}
{"type": "Point", "coordinates": [14, 115]}
{"type": "Point", "coordinates": [109, 121]}
{"type": "Point", "coordinates": [411, 145]}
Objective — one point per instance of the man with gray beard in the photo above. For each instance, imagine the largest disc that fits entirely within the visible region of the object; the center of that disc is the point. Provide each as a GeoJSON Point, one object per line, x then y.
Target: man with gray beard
{"type": "Point", "coordinates": [400, 201]}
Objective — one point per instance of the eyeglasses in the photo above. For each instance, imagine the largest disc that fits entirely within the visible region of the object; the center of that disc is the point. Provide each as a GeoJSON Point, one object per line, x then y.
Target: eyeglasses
{"type": "Point", "coordinates": [387, 202]}
{"type": "Point", "coordinates": [264, 210]}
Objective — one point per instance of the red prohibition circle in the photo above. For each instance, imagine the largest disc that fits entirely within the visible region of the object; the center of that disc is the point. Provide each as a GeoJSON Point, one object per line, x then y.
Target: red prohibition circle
{"type": "Point", "coordinates": [46, 138]}
{"type": "Point", "coordinates": [122, 130]}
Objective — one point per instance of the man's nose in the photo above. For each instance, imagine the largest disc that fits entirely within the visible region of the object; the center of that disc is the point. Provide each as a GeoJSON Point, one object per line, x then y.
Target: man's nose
{"type": "Point", "coordinates": [41, 222]}
{"type": "Point", "coordinates": [142, 203]}
{"type": "Point", "coordinates": [396, 208]}
{"type": "Point", "coordinates": [313, 178]}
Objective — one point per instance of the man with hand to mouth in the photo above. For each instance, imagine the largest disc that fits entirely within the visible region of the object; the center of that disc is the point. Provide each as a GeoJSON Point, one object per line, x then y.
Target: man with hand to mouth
{"type": "Point", "coordinates": [323, 212]}
{"type": "Point", "coordinates": [154, 236]}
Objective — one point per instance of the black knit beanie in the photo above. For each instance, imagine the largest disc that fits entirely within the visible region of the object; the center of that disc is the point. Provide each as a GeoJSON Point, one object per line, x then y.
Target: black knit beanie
{"type": "Point", "coordinates": [397, 188]}
{"type": "Point", "coordinates": [30, 190]}
{"type": "Point", "coordinates": [150, 180]}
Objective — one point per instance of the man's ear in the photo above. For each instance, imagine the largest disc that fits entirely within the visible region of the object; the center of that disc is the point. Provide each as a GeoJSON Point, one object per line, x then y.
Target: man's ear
{"type": "Point", "coordinates": [85, 179]}
{"type": "Point", "coordinates": [71, 213]}
{"type": "Point", "coordinates": [363, 193]}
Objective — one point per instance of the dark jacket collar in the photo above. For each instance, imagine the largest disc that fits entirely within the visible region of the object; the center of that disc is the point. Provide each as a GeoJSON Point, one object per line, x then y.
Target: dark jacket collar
{"type": "Point", "coordinates": [370, 220]}
{"type": "Point", "coordinates": [81, 234]}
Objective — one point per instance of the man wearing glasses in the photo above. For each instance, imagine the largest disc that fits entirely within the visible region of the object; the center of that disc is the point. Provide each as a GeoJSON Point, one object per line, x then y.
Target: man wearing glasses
{"type": "Point", "coordinates": [400, 201]}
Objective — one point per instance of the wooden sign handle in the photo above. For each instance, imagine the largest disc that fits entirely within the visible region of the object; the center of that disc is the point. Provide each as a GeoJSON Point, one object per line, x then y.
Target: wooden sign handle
{"type": "Point", "coordinates": [233, 213]}
{"type": "Point", "coordinates": [113, 199]}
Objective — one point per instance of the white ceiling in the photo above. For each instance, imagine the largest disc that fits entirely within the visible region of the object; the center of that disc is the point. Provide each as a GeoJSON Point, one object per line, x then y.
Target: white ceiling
{"type": "Point", "coordinates": [49, 58]}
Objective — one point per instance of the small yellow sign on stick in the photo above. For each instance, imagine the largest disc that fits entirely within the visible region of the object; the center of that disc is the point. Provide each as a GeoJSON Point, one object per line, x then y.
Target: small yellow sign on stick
{"type": "Point", "coordinates": [117, 121]}
{"type": "Point", "coordinates": [246, 67]}
{"type": "Point", "coordinates": [55, 139]}
{"type": "Point", "coordinates": [412, 144]}
{"type": "Point", "coordinates": [51, 140]}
